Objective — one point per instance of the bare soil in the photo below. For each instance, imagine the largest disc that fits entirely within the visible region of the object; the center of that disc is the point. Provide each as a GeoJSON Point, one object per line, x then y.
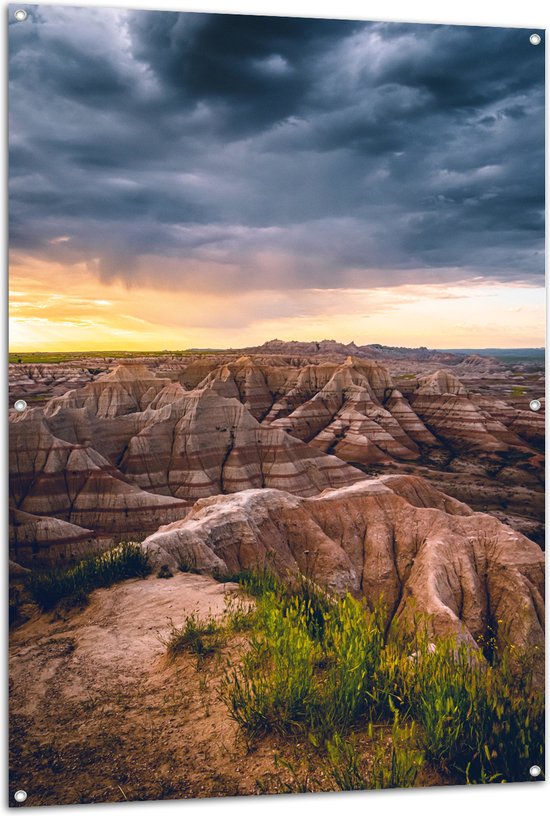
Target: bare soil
{"type": "Point", "coordinates": [100, 714]}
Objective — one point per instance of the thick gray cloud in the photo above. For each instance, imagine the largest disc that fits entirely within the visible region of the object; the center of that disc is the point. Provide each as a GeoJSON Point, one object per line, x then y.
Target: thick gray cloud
{"type": "Point", "coordinates": [275, 152]}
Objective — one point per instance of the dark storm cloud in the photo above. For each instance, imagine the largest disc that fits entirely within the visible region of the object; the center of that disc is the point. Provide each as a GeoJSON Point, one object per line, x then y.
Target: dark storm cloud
{"type": "Point", "coordinates": [257, 72]}
{"type": "Point", "coordinates": [275, 152]}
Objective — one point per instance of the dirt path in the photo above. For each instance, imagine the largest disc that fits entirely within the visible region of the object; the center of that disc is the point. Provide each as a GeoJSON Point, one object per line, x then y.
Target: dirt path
{"type": "Point", "coordinates": [99, 714]}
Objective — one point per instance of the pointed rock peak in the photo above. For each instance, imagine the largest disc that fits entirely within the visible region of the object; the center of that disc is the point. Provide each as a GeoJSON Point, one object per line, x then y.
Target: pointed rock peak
{"type": "Point", "coordinates": [127, 372]}
{"type": "Point", "coordinates": [209, 395]}
{"type": "Point", "coordinates": [363, 362]}
{"type": "Point", "coordinates": [245, 360]}
{"type": "Point", "coordinates": [441, 382]}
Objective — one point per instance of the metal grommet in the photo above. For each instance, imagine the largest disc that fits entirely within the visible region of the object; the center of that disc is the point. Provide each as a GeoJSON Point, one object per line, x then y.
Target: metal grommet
{"type": "Point", "coordinates": [20, 15]}
{"type": "Point", "coordinates": [20, 795]}
{"type": "Point", "coordinates": [535, 405]}
{"type": "Point", "coordinates": [535, 39]}
{"type": "Point", "coordinates": [20, 405]}
{"type": "Point", "coordinates": [535, 770]}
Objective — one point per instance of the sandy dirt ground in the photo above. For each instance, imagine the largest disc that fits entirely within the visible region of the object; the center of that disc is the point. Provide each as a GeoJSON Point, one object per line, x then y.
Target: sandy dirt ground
{"type": "Point", "coordinates": [98, 713]}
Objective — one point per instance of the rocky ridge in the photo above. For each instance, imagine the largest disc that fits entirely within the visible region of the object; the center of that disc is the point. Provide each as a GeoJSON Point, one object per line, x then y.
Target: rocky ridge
{"type": "Point", "coordinates": [394, 537]}
{"type": "Point", "coordinates": [134, 448]}
{"type": "Point", "coordinates": [128, 452]}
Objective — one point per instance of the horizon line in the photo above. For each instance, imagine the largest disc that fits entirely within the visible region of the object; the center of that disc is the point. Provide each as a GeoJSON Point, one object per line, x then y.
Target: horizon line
{"type": "Point", "coordinates": [246, 348]}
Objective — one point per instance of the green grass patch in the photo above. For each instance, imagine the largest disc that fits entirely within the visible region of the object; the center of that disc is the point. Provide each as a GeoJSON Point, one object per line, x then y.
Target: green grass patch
{"type": "Point", "coordinates": [240, 613]}
{"type": "Point", "coordinates": [325, 666]}
{"type": "Point", "coordinates": [73, 585]}
{"type": "Point", "coordinates": [394, 762]}
{"type": "Point", "coordinates": [198, 636]}
{"type": "Point", "coordinates": [50, 357]}
{"type": "Point", "coordinates": [518, 390]}
{"type": "Point", "coordinates": [255, 582]}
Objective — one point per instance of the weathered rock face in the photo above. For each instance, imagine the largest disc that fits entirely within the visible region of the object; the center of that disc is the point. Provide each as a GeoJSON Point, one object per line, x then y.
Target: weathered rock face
{"type": "Point", "coordinates": [125, 390]}
{"type": "Point", "coordinates": [244, 381]}
{"type": "Point", "coordinates": [352, 409]}
{"type": "Point", "coordinates": [331, 349]}
{"type": "Point", "coordinates": [211, 428]}
{"type": "Point", "coordinates": [477, 363]}
{"type": "Point", "coordinates": [204, 444]}
{"type": "Point", "coordinates": [44, 541]}
{"type": "Point", "coordinates": [347, 417]}
{"type": "Point", "coordinates": [189, 444]}
{"type": "Point", "coordinates": [43, 381]}
{"type": "Point", "coordinates": [472, 422]}
{"type": "Point", "coordinates": [395, 537]}
{"type": "Point", "coordinates": [53, 478]}
{"type": "Point", "coordinates": [127, 453]}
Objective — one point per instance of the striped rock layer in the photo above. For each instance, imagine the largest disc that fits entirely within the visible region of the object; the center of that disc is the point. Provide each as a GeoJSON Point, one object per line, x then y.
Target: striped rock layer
{"type": "Point", "coordinates": [127, 453]}
{"type": "Point", "coordinates": [395, 538]}
{"type": "Point", "coordinates": [130, 451]}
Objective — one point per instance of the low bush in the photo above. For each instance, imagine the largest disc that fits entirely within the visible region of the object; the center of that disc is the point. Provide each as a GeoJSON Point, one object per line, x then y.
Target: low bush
{"type": "Point", "coordinates": [395, 762]}
{"type": "Point", "coordinates": [273, 690]}
{"type": "Point", "coordinates": [239, 613]}
{"type": "Point", "coordinates": [311, 662]}
{"type": "Point", "coordinates": [198, 636]}
{"type": "Point", "coordinates": [482, 721]}
{"type": "Point", "coordinates": [75, 583]}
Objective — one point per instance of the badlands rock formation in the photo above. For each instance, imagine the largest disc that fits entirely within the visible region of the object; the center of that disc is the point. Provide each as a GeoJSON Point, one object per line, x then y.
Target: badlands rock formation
{"type": "Point", "coordinates": [125, 390]}
{"type": "Point", "coordinates": [39, 382]}
{"type": "Point", "coordinates": [354, 410]}
{"type": "Point", "coordinates": [42, 540]}
{"type": "Point", "coordinates": [129, 452]}
{"type": "Point", "coordinates": [395, 537]}
{"type": "Point", "coordinates": [334, 350]}
{"type": "Point", "coordinates": [64, 495]}
{"type": "Point", "coordinates": [134, 448]}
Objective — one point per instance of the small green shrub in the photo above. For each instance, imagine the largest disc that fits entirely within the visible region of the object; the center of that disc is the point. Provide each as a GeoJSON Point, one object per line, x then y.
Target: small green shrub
{"type": "Point", "coordinates": [200, 637]}
{"type": "Point", "coordinates": [482, 721]}
{"type": "Point", "coordinates": [316, 604]}
{"type": "Point", "coordinates": [259, 583]}
{"type": "Point", "coordinates": [273, 689]}
{"type": "Point", "coordinates": [395, 764]}
{"type": "Point", "coordinates": [405, 759]}
{"type": "Point", "coordinates": [344, 764]}
{"type": "Point", "coordinates": [165, 572]}
{"type": "Point", "coordinates": [353, 640]}
{"type": "Point", "coordinates": [123, 561]}
{"type": "Point", "coordinates": [240, 613]}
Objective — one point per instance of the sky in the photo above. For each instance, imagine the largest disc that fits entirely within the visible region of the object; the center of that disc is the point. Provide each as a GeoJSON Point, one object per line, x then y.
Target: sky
{"type": "Point", "coordinates": [188, 180]}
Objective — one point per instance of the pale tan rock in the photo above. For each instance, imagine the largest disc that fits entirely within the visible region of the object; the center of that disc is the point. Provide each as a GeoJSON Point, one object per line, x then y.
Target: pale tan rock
{"type": "Point", "coordinates": [439, 383]}
{"type": "Point", "coordinates": [398, 538]}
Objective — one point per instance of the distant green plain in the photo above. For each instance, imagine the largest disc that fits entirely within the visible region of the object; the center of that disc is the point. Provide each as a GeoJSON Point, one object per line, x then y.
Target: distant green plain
{"type": "Point", "coordinates": [38, 357]}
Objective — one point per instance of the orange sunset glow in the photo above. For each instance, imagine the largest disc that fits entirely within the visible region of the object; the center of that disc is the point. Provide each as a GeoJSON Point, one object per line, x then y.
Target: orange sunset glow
{"type": "Point", "coordinates": [53, 308]}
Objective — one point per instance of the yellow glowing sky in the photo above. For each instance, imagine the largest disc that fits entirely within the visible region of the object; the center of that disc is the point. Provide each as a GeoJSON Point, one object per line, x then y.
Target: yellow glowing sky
{"type": "Point", "coordinates": [55, 308]}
